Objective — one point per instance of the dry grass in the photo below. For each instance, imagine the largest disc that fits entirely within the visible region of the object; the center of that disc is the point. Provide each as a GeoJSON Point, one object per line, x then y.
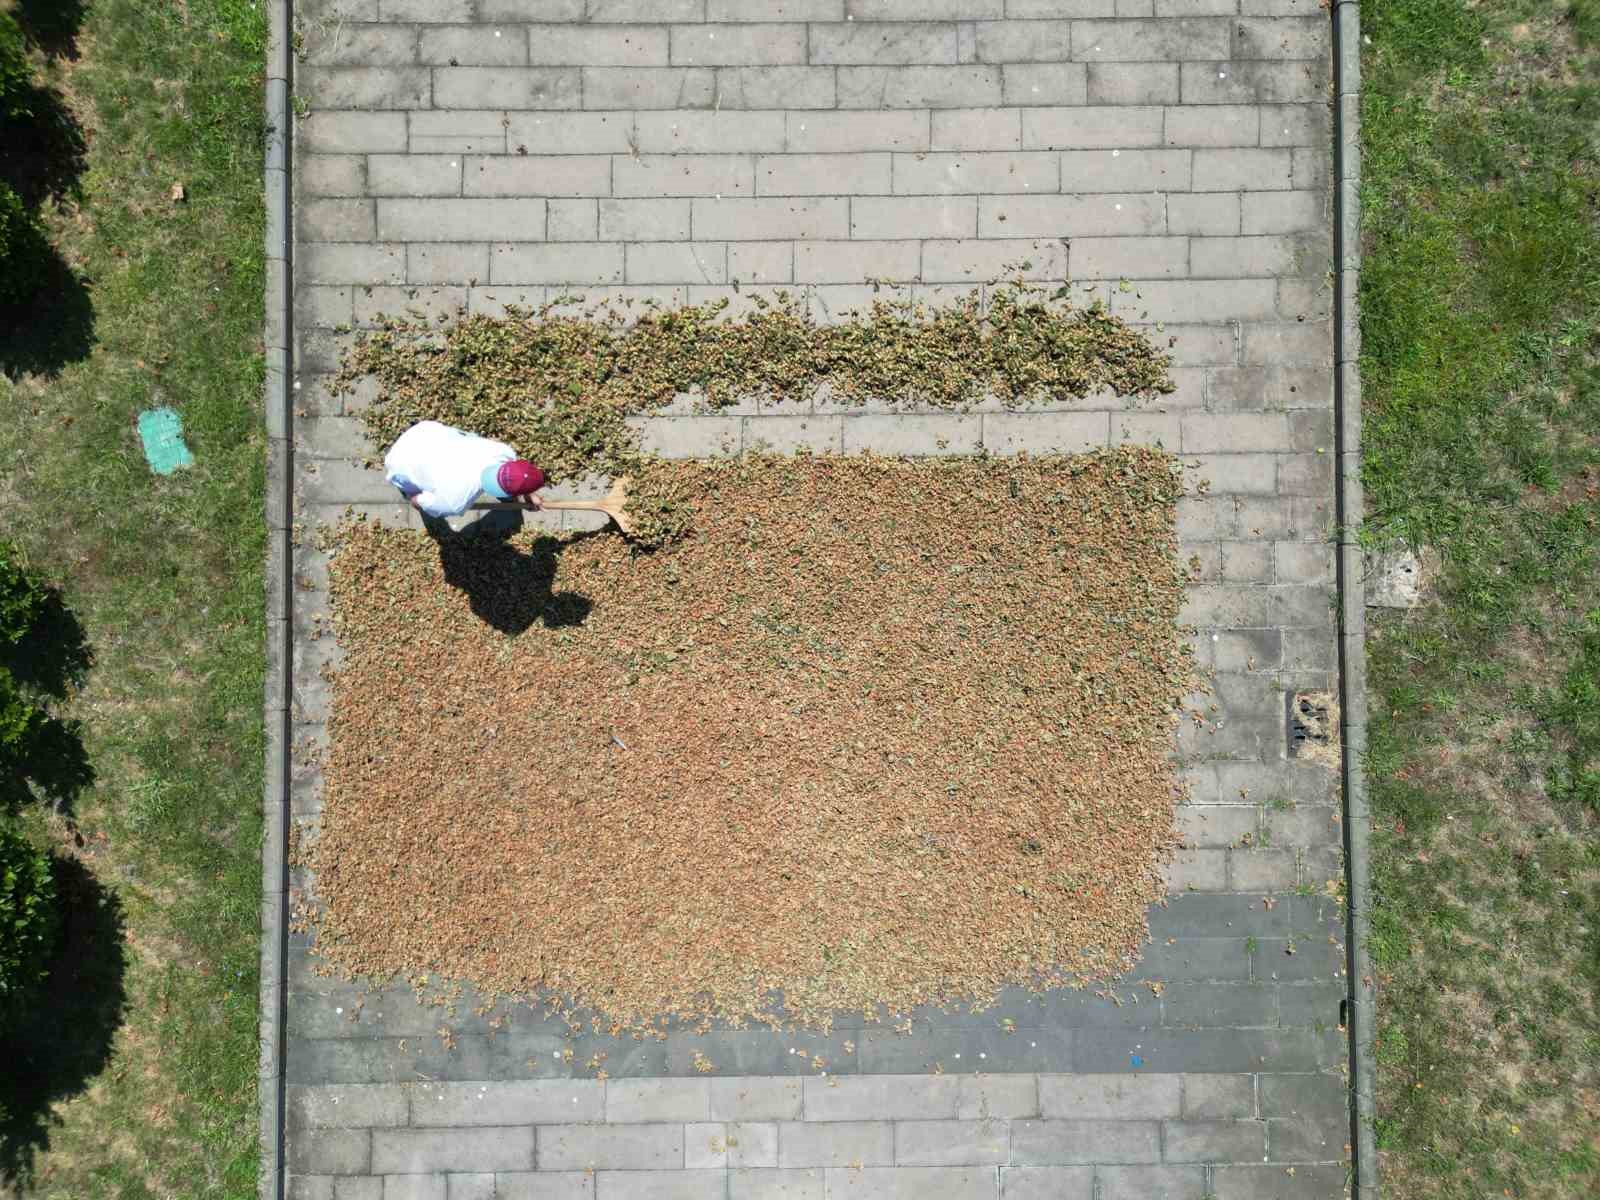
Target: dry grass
{"type": "Point", "coordinates": [875, 733]}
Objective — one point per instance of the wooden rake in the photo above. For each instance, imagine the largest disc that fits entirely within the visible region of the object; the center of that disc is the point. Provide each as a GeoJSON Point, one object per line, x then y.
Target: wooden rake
{"type": "Point", "coordinates": [614, 504]}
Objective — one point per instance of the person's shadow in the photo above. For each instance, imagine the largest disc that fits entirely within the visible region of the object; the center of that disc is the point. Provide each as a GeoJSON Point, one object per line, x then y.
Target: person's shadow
{"type": "Point", "coordinates": [507, 588]}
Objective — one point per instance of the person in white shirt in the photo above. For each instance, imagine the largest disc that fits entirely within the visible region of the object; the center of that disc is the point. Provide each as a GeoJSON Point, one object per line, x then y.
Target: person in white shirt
{"type": "Point", "coordinates": [443, 470]}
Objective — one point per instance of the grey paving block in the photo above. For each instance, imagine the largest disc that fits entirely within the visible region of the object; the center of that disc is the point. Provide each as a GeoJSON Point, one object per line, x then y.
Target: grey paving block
{"type": "Point", "coordinates": [867, 1097]}
{"type": "Point", "coordinates": [1047, 1183]}
{"type": "Point", "coordinates": [1162, 41]}
{"type": "Point", "coordinates": [911, 1183]}
{"type": "Point", "coordinates": [1152, 1183]}
{"type": "Point", "coordinates": [1241, 257]}
{"type": "Point", "coordinates": [427, 10]}
{"type": "Point", "coordinates": [1109, 1097]}
{"type": "Point", "coordinates": [1253, 82]}
{"type": "Point", "coordinates": [357, 1187]}
{"type": "Point", "coordinates": [1213, 1141]}
{"type": "Point", "coordinates": [856, 132]}
{"type": "Point", "coordinates": [835, 1143]}
{"type": "Point", "coordinates": [951, 1143]}
{"type": "Point", "coordinates": [774, 10]}
{"type": "Point", "coordinates": [646, 220]}
{"type": "Point", "coordinates": [330, 1151]}
{"type": "Point", "coordinates": [331, 175]}
{"type": "Point", "coordinates": [447, 262]}
{"type": "Point", "coordinates": [946, 86]}
{"type": "Point", "coordinates": [1209, 1051]}
{"type": "Point", "coordinates": [1213, 125]}
{"type": "Point", "coordinates": [975, 129]}
{"type": "Point", "coordinates": [776, 1184]}
{"type": "Point", "coordinates": [1035, 40]}
{"type": "Point", "coordinates": [517, 219]}
{"type": "Point", "coordinates": [1272, 1182]}
{"type": "Point", "coordinates": [477, 1186]}
{"type": "Point", "coordinates": [1132, 83]}
{"type": "Point", "coordinates": [788, 434]}
{"type": "Point", "coordinates": [661, 1185]}
{"type": "Point", "coordinates": [673, 262]}
{"type": "Point", "coordinates": [912, 434]}
{"type": "Point", "coordinates": [360, 45]}
{"type": "Point", "coordinates": [1224, 917]}
{"type": "Point", "coordinates": [1219, 1097]}
{"type": "Point", "coordinates": [1000, 1097]}
{"type": "Point", "coordinates": [474, 46]}
{"type": "Point", "coordinates": [545, 1185]}
{"type": "Point", "coordinates": [988, 171]}
{"type": "Point", "coordinates": [692, 437]}
{"type": "Point", "coordinates": [645, 10]}
{"type": "Point", "coordinates": [856, 261]}
{"type": "Point", "coordinates": [457, 132]}
{"type": "Point", "coordinates": [527, 1102]}
{"type": "Point", "coordinates": [352, 262]}
{"type": "Point", "coordinates": [1215, 213]}
{"type": "Point", "coordinates": [743, 45]}
{"type": "Point", "coordinates": [1295, 125]}
{"type": "Point", "coordinates": [1048, 1142]}
{"type": "Point", "coordinates": [757, 218]}
{"type": "Point", "coordinates": [570, 220]}
{"type": "Point", "coordinates": [309, 1187]}
{"type": "Point", "coordinates": [777, 87]}
{"type": "Point", "coordinates": [755, 1098]}
{"type": "Point", "coordinates": [1196, 870]}
{"type": "Point", "coordinates": [610, 1147]}
{"type": "Point", "coordinates": [647, 175]}
{"type": "Point", "coordinates": [1130, 257]}
{"type": "Point", "coordinates": [1281, 37]}
{"type": "Point", "coordinates": [1300, 1141]}
{"type": "Point", "coordinates": [347, 1106]}
{"type": "Point", "coordinates": [329, 1060]}
{"type": "Point", "coordinates": [702, 132]}
{"type": "Point", "coordinates": [414, 1187]}
{"type": "Point", "coordinates": [584, 264]}
{"type": "Point", "coordinates": [520, 175]}
{"type": "Point", "coordinates": [364, 87]}
{"type": "Point", "coordinates": [1307, 343]}
{"type": "Point", "coordinates": [1124, 170]}
{"type": "Point", "coordinates": [1239, 168]}
{"type": "Point", "coordinates": [646, 1100]}
{"type": "Point", "coordinates": [510, 87]}
{"type": "Point", "coordinates": [931, 10]}
{"type": "Point", "coordinates": [1111, 127]}
{"type": "Point", "coordinates": [334, 220]}
{"type": "Point", "coordinates": [1262, 870]}
{"type": "Point", "coordinates": [823, 174]}
{"type": "Point", "coordinates": [1027, 84]}
{"type": "Point", "coordinates": [1323, 1100]}
{"type": "Point", "coordinates": [751, 1144]}
{"type": "Point", "coordinates": [978, 260]}
{"type": "Point", "coordinates": [600, 46]}
{"type": "Point", "coordinates": [863, 43]}
{"type": "Point", "coordinates": [1101, 215]}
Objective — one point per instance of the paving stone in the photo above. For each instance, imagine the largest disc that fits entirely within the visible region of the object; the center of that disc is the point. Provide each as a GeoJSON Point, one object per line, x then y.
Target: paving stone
{"type": "Point", "coordinates": [740, 219]}
{"type": "Point", "coordinates": [414, 1187]}
{"type": "Point", "coordinates": [661, 1185]}
{"type": "Point", "coordinates": [1262, 870]}
{"type": "Point", "coordinates": [835, 1143]}
{"type": "Point", "coordinates": [1028, 84]}
{"type": "Point", "coordinates": [643, 1100]}
{"type": "Point", "coordinates": [1213, 125]}
{"type": "Point", "coordinates": [447, 262]}
{"type": "Point", "coordinates": [700, 132]}
{"type": "Point", "coordinates": [1192, 870]}
{"type": "Point", "coordinates": [1084, 1141]}
{"type": "Point", "coordinates": [477, 1149]}
{"type": "Point", "coordinates": [1152, 1183]}
{"type": "Point", "coordinates": [851, 43]}
{"type": "Point", "coordinates": [545, 1185]}
{"type": "Point", "coordinates": [974, 129]}
{"type": "Point", "coordinates": [1202, 1005]}
{"type": "Point", "coordinates": [330, 1151]}
{"type": "Point", "coordinates": [755, 1099]}
{"type": "Point", "coordinates": [911, 1183]}
{"type": "Point", "coordinates": [1109, 1097]}
{"type": "Point", "coordinates": [1130, 257]}
{"type": "Point", "coordinates": [548, 175]}
{"type": "Point", "coordinates": [1214, 213]}
{"type": "Point", "coordinates": [771, 1184]}
{"type": "Point", "coordinates": [519, 219]}
{"type": "Point", "coordinates": [1310, 343]}
{"type": "Point", "coordinates": [1248, 82]}
{"type": "Point", "coordinates": [356, 1187]}
{"type": "Point", "coordinates": [975, 260]}
{"type": "Point", "coordinates": [1280, 37]}
{"type": "Point", "coordinates": [823, 174]}
{"type": "Point", "coordinates": [427, 10]}
{"type": "Point", "coordinates": [1219, 1097]}
{"type": "Point", "coordinates": [473, 46]}
{"type": "Point", "coordinates": [469, 1187]}
{"type": "Point", "coordinates": [1121, 128]}
{"type": "Point", "coordinates": [1161, 41]}
{"type": "Point", "coordinates": [962, 86]}
{"type": "Point", "coordinates": [1047, 1183]}
{"type": "Point", "coordinates": [1043, 41]}
{"type": "Point", "coordinates": [983, 171]}
{"type": "Point", "coordinates": [777, 87]}
{"type": "Point", "coordinates": [331, 174]}
{"type": "Point", "coordinates": [528, 1102]}
{"type": "Point", "coordinates": [309, 1187]}
{"type": "Point", "coordinates": [1216, 824]}
{"type": "Point", "coordinates": [1132, 83]}
{"type": "Point", "coordinates": [751, 1144]}
{"type": "Point", "coordinates": [1104, 215]}
{"type": "Point", "coordinates": [364, 87]}
{"type": "Point", "coordinates": [1263, 1182]}
{"type": "Point", "coordinates": [932, 10]}
{"type": "Point", "coordinates": [1294, 125]}
{"type": "Point", "coordinates": [868, 1097]}
{"type": "Point", "coordinates": [951, 1143]}
{"type": "Point", "coordinates": [1217, 917]}
{"type": "Point", "coordinates": [510, 87]}
{"type": "Point", "coordinates": [347, 1106]}
{"type": "Point", "coordinates": [983, 1097]}
{"type": "Point", "coordinates": [1299, 1141]}
{"type": "Point", "coordinates": [610, 1147]}
{"type": "Point", "coordinates": [1320, 1099]}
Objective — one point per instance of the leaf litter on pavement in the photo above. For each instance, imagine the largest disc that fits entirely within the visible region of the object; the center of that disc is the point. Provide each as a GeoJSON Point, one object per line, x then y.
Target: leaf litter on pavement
{"type": "Point", "coordinates": [874, 733]}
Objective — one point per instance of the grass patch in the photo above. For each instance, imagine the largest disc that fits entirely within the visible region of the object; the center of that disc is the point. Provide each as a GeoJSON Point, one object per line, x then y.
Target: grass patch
{"type": "Point", "coordinates": [149, 1057]}
{"type": "Point", "coordinates": [833, 745]}
{"type": "Point", "coordinates": [1480, 304]}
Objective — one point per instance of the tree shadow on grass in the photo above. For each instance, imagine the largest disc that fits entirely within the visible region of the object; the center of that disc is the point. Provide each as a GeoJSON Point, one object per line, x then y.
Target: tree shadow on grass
{"type": "Point", "coordinates": [506, 587]}
{"type": "Point", "coordinates": [62, 1037]}
{"type": "Point", "coordinates": [52, 25]}
{"type": "Point", "coordinates": [50, 662]}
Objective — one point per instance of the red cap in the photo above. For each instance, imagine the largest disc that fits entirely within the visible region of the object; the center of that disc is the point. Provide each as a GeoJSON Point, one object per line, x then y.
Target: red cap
{"type": "Point", "coordinates": [519, 477]}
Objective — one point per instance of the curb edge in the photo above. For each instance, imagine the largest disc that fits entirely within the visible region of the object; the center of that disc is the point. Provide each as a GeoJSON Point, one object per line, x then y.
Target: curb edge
{"type": "Point", "coordinates": [1352, 583]}
{"type": "Point", "coordinates": [279, 514]}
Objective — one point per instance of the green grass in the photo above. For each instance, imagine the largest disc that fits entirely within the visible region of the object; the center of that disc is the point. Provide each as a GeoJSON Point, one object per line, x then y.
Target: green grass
{"type": "Point", "coordinates": [1480, 304]}
{"type": "Point", "coordinates": [165, 575]}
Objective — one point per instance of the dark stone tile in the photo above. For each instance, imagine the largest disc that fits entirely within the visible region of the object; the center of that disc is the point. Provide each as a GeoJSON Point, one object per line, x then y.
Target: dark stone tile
{"type": "Point", "coordinates": [1195, 958]}
{"type": "Point", "coordinates": [1207, 1050]}
{"type": "Point", "coordinates": [966, 1051]}
{"type": "Point", "coordinates": [1217, 916]}
{"type": "Point", "coordinates": [1213, 1004]}
{"type": "Point", "coordinates": [330, 1060]}
{"type": "Point", "coordinates": [1311, 1003]}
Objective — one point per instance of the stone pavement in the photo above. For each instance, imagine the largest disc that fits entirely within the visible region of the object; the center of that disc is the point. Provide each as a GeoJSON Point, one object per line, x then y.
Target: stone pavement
{"type": "Point", "coordinates": [1171, 158]}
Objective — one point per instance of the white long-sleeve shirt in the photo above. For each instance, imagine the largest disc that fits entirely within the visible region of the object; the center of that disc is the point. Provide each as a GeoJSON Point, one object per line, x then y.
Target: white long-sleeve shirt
{"type": "Point", "coordinates": [441, 466]}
